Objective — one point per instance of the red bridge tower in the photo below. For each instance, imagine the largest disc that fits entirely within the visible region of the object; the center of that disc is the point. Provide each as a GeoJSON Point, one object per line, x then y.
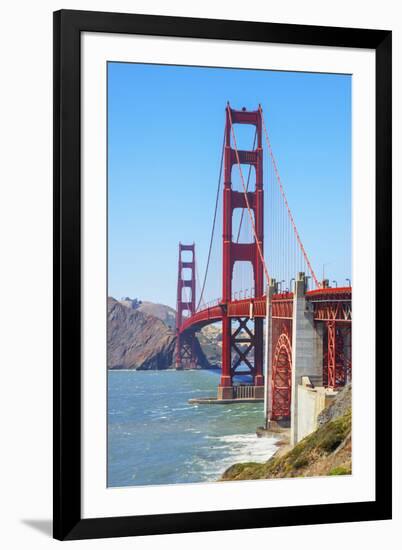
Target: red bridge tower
{"type": "Point", "coordinates": [185, 343]}
{"type": "Point", "coordinates": [248, 338]}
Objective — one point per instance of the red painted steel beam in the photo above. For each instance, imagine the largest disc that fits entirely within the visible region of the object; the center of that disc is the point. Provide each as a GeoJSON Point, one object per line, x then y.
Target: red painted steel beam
{"type": "Point", "coordinates": [321, 292]}
{"type": "Point", "coordinates": [245, 252]}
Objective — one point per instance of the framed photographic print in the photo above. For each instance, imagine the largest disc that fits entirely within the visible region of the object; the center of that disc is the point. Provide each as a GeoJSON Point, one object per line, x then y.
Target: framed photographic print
{"type": "Point", "coordinates": [220, 189]}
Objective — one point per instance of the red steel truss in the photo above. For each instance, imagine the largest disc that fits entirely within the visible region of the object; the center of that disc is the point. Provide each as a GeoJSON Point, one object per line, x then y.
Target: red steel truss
{"type": "Point", "coordinates": [333, 306]}
{"type": "Point", "coordinates": [337, 358]}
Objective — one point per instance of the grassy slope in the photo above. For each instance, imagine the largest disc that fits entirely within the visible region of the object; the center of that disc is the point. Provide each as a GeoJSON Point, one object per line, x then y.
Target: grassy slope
{"type": "Point", "coordinates": [327, 451]}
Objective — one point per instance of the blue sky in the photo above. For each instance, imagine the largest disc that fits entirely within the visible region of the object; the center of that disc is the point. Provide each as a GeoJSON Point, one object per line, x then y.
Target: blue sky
{"type": "Point", "coordinates": [165, 130]}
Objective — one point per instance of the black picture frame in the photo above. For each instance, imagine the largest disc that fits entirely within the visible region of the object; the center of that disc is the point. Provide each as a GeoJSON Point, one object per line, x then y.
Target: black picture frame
{"type": "Point", "coordinates": [68, 26]}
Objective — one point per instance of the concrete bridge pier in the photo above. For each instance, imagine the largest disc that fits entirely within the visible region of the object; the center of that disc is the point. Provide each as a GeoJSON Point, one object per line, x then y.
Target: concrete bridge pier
{"type": "Point", "coordinates": [307, 350]}
{"type": "Point", "coordinates": [271, 290]}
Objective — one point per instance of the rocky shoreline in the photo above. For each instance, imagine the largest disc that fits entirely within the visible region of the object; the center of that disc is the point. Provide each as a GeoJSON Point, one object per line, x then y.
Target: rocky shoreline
{"type": "Point", "coordinates": [325, 452]}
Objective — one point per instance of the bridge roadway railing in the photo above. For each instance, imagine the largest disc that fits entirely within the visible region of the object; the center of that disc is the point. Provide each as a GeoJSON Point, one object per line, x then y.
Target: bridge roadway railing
{"type": "Point", "coordinates": [243, 391]}
{"type": "Point", "coordinates": [329, 304]}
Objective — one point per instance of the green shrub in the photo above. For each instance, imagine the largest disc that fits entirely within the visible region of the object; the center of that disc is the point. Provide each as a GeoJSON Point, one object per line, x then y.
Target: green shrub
{"type": "Point", "coordinates": [340, 471]}
{"type": "Point", "coordinates": [300, 463]}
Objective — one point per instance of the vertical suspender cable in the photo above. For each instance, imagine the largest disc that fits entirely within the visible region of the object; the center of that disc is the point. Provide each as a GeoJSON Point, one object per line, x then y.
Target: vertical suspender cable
{"type": "Point", "coordinates": [303, 251]}
{"type": "Point", "coordinates": [213, 224]}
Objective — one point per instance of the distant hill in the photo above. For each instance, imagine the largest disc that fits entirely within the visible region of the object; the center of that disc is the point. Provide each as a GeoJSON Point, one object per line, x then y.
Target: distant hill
{"type": "Point", "coordinates": [142, 336]}
{"type": "Point", "coordinates": [162, 312]}
{"type": "Point", "coordinates": [137, 340]}
{"type": "Point", "coordinates": [210, 338]}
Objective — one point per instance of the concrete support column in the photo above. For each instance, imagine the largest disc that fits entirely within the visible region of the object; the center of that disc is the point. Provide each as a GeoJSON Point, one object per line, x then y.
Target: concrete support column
{"type": "Point", "coordinates": [306, 345]}
{"type": "Point", "coordinates": [271, 290]}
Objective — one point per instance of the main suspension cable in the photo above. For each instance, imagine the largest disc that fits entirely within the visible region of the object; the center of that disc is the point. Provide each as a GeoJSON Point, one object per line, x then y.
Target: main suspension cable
{"type": "Point", "coordinates": [248, 183]}
{"type": "Point", "coordinates": [197, 281]}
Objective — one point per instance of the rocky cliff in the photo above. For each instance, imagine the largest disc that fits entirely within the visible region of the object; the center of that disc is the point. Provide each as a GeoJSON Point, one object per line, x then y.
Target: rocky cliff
{"type": "Point", "coordinates": [141, 336]}
{"type": "Point", "coordinates": [137, 340]}
{"type": "Point", "coordinates": [162, 312]}
{"type": "Point", "coordinates": [338, 407]}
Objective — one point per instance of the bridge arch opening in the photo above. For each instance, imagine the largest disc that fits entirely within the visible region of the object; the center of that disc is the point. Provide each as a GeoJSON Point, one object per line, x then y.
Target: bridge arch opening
{"type": "Point", "coordinates": [242, 280]}
{"type": "Point", "coordinates": [246, 136]}
{"type": "Point", "coordinates": [186, 273]}
{"type": "Point", "coordinates": [242, 226]}
{"type": "Point", "coordinates": [249, 177]}
{"type": "Point", "coordinates": [186, 295]}
{"type": "Point", "coordinates": [281, 378]}
{"type": "Point", "coordinates": [187, 255]}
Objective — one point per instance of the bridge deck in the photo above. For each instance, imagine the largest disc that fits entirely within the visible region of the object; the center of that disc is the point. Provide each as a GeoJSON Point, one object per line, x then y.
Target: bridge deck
{"type": "Point", "coordinates": [328, 303]}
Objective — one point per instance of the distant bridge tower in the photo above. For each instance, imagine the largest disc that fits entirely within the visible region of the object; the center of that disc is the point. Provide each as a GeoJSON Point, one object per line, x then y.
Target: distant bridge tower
{"type": "Point", "coordinates": [185, 344]}
{"type": "Point", "coordinates": [233, 341]}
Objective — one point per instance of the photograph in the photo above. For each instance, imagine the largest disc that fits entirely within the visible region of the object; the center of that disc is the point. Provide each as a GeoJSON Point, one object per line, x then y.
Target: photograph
{"type": "Point", "coordinates": [229, 274]}
{"type": "Point", "coordinates": [191, 193]}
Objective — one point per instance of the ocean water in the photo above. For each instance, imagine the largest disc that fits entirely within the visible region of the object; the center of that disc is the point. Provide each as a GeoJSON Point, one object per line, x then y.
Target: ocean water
{"type": "Point", "coordinates": [156, 437]}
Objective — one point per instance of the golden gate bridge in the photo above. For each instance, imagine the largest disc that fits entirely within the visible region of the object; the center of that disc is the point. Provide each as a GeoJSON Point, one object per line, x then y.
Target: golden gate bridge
{"type": "Point", "coordinates": [308, 323]}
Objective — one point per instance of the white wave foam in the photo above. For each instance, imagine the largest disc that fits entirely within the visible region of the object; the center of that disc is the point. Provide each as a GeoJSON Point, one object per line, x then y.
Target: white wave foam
{"type": "Point", "coordinates": [238, 448]}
